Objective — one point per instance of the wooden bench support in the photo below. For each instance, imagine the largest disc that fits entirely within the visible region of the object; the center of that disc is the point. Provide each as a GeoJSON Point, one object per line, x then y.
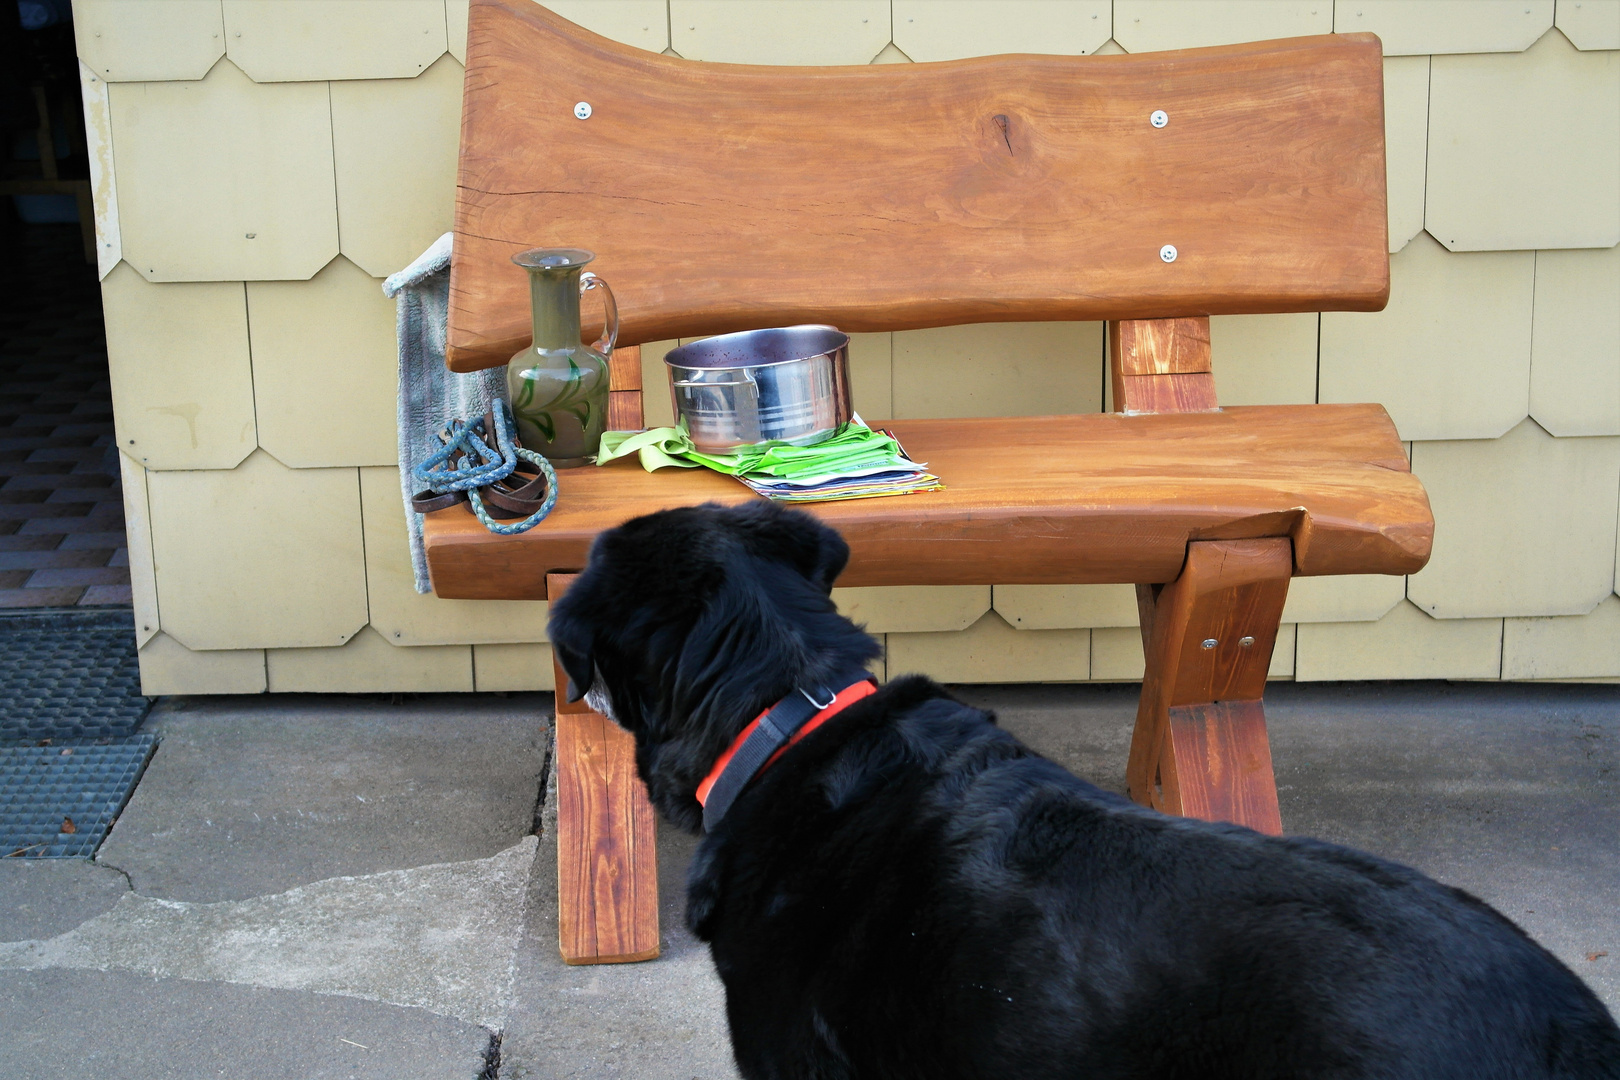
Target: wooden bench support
{"type": "Point", "coordinates": [1200, 746]}
{"type": "Point", "coordinates": [607, 855]}
{"type": "Point", "coordinates": [1161, 365]}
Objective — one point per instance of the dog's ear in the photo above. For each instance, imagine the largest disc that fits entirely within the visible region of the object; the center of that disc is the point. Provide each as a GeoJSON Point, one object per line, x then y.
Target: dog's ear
{"type": "Point", "coordinates": [574, 648]}
{"type": "Point", "coordinates": [795, 537]}
{"type": "Point", "coordinates": [832, 554]}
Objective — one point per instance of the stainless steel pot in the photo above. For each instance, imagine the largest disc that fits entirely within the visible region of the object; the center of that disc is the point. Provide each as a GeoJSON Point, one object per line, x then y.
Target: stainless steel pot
{"type": "Point", "coordinates": [788, 385]}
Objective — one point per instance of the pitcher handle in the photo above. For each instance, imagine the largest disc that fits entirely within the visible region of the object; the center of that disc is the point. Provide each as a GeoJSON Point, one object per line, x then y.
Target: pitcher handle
{"type": "Point", "coordinates": [610, 325]}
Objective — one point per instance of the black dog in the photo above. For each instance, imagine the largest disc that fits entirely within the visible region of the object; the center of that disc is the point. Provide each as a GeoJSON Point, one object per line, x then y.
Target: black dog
{"type": "Point", "coordinates": [911, 892]}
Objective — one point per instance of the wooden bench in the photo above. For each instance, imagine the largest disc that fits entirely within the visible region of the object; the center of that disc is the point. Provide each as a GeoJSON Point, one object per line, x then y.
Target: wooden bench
{"type": "Point", "coordinates": [726, 197]}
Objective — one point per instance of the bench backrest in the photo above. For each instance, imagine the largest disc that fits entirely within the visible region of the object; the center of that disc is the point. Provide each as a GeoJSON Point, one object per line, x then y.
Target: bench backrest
{"type": "Point", "coordinates": [723, 197]}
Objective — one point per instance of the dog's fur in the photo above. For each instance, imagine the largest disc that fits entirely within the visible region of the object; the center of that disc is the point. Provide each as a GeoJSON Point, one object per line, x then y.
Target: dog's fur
{"type": "Point", "coordinates": [911, 892]}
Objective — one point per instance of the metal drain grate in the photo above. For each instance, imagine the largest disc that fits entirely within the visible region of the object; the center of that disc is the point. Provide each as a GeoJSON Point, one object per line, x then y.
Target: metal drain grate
{"type": "Point", "coordinates": [83, 786]}
{"type": "Point", "coordinates": [69, 675]}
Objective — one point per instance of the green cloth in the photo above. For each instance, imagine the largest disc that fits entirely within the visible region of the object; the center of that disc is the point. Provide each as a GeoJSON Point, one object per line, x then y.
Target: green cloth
{"type": "Point", "coordinates": [855, 447]}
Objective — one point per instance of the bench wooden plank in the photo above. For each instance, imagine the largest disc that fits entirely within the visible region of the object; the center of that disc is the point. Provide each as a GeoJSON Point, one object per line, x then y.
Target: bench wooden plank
{"type": "Point", "coordinates": [607, 856]}
{"type": "Point", "coordinates": [1034, 500]}
{"type": "Point", "coordinates": [724, 197]}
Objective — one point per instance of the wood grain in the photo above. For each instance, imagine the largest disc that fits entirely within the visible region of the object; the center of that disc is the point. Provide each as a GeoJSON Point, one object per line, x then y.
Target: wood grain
{"type": "Point", "coordinates": [1219, 767]}
{"type": "Point", "coordinates": [1161, 365]}
{"type": "Point", "coordinates": [1199, 747]}
{"type": "Point", "coordinates": [1160, 346]}
{"type": "Point", "coordinates": [723, 197]}
{"type": "Point", "coordinates": [1142, 394]}
{"type": "Point", "coordinates": [624, 368]}
{"type": "Point", "coordinates": [1034, 500]}
{"type": "Point", "coordinates": [624, 410]}
{"type": "Point", "coordinates": [607, 857]}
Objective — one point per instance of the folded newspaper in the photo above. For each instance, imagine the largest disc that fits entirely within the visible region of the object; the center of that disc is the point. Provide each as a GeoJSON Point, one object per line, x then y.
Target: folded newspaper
{"type": "Point", "coordinates": [855, 463]}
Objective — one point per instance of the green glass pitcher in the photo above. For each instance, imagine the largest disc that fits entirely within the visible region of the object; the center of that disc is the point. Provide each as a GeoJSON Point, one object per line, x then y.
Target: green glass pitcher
{"type": "Point", "coordinates": [558, 387]}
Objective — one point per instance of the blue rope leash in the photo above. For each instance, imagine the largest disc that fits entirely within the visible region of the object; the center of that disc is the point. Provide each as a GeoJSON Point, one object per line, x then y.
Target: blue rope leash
{"type": "Point", "coordinates": [467, 441]}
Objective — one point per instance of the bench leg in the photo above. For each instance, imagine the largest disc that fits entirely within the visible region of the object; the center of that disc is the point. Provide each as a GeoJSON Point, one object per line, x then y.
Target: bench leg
{"type": "Point", "coordinates": [607, 853]}
{"type": "Point", "coordinates": [1200, 747]}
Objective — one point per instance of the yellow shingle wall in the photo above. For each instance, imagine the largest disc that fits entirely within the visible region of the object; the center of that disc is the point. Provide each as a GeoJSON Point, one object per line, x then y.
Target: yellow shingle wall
{"type": "Point", "coordinates": [262, 164]}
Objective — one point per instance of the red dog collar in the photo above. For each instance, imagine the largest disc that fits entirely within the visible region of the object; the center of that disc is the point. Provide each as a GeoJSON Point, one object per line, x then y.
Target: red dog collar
{"type": "Point", "coordinates": [841, 701]}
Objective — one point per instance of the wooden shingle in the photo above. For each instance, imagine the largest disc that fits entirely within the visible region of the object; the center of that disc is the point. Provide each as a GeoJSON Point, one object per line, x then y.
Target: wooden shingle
{"type": "Point", "coordinates": [1405, 644]}
{"type": "Point", "coordinates": [998, 369]}
{"type": "Point", "coordinates": [138, 529]}
{"type": "Point", "coordinates": [309, 40]}
{"type": "Point", "coordinates": [1264, 359]}
{"type": "Point", "coordinates": [259, 556]}
{"type": "Point", "coordinates": [1567, 647]}
{"type": "Point", "coordinates": [513, 668]}
{"type": "Point", "coordinates": [886, 609]}
{"type": "Point", "coordinates": [1343, 598]}
{"type": "Point", "coordinates": [1524, 149]}
{"type": "Point", "coordinates": [642, 23]}
{"type": "Point", "coordinates": [1066, 607]}
{"type": "Point", "coordinates": [125, 42]}
{"type": "Point", "coordinates": [388, 213]}
{"type": "Point", "coordinates": [182, 380]}
{"type": "Point", "coordinates": [992, 651]}
{"type": "Point", "coordinates": [926, 30]}
{"type": "Point", "coordinates": [224, 179]}
{"type": "Point", "coordinates": [168, 667]}
{"type": "Point", "coordinates": [1524, 524]}
{"type": "Point", "coordinates": [1575, 343]}
{"type": "Point", "coordinates": [1589, 24]}
{"type": "Point", "coordinates": [368, 664]}
{"type": "Point", "coordinates": [325, 368]}
{"type": "Point", "coordinates": [1446, 26]}
{"type": "Point", "coordinates": [1155, 25]}
{"type": "Point", "coordinates": [779, 31]}
{"type": "Point", "coordinates": [405, 617]}
{"type": "Point", "coordinates": [1406, 144]}
{"type": "Point", "coordinates": [1450, 356]}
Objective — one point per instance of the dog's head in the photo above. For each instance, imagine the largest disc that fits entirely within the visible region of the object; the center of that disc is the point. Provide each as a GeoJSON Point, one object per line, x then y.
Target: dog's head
{"type": "Point", "coordinates": [687, 623]}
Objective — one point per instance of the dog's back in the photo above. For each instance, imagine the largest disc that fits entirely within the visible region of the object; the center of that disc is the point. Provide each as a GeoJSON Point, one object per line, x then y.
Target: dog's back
{"type": "Point", "coordinates": [918, 894]}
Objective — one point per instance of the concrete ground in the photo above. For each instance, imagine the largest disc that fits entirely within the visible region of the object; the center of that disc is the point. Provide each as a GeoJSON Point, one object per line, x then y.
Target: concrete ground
{"type": "Point", "coordinates": [323, 887]}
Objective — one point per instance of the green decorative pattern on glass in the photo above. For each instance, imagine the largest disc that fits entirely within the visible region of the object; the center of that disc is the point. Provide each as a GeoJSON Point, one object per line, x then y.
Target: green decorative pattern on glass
{"type": "Point", "coordinates": [573, 400]}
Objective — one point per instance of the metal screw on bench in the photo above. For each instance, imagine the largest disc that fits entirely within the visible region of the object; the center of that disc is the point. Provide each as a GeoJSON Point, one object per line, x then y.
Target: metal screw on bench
{"type": "Point", "coordinates": [1245, 641]}
{"type": "Point", "coordinates": [1159, 118]}
{"type": "Point", "coordinates": [1210, 643]}
{"type": "Point", "coordinates": [583, 110]}
{"type": "Point", "coordinates": [1168, 253]}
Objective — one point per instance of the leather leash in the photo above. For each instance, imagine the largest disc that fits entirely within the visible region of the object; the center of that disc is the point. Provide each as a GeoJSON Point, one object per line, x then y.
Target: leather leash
{"type": "Point", "coordinates": [484, 465]}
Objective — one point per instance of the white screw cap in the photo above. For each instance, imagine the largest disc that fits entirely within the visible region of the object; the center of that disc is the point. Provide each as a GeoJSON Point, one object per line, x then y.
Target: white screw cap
{"type": "Point", "coordinates": [1168, 253]}
{"type": "Point", "coordinates": [1159, 118]}
{"type": "Point", "coordinates": [583, 110]}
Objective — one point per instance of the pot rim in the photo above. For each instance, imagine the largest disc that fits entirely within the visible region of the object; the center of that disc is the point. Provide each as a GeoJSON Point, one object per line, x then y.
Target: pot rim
{"type": "Point", "coordinates": [841, 342]}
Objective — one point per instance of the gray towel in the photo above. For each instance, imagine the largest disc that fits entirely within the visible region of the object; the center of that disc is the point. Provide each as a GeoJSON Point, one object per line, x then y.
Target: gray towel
{"type": "Point", "coordinates": [430, 394]}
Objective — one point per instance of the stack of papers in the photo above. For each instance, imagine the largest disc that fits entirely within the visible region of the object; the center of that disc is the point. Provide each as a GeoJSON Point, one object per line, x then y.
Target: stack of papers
{"type": "Point", "coordinates": [855, 463]}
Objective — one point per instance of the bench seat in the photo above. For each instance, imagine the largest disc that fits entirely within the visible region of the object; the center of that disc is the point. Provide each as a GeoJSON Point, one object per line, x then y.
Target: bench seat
{"type": "Point", "coordinates": [1094, 498]}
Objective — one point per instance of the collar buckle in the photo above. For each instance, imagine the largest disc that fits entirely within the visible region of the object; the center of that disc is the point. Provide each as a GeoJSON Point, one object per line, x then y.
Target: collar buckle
{"type": "Point", "coordinates": [831, 697]}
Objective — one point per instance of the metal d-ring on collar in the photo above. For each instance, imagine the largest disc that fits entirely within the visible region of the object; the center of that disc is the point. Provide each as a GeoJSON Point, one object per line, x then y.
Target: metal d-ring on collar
{"type": "Point", "coordinates": [831, 697]}
{"type": "Point", "coordinates": [772, 732]}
